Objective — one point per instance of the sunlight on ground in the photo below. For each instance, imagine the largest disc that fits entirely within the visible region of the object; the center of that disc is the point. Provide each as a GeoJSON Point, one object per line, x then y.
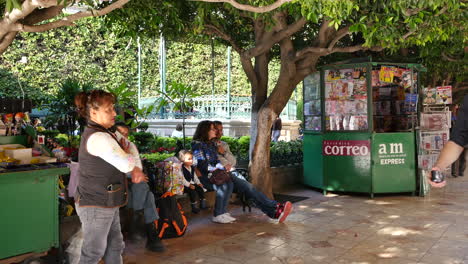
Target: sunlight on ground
{"type": "Point", "coordinates": [397, 231]}
{"type": "Point", "coordinates": [331, 195]}
{"type": "Point", "coordinates": [378, 202]}
{"type": "Point", "coordinates": [303, 206]}
{"type": "Point", "coordinates": [393, 216]}
{"type": "Point", "coordinates": [385, 255]}
{"type": "Point", "coordinates": [319, 210]}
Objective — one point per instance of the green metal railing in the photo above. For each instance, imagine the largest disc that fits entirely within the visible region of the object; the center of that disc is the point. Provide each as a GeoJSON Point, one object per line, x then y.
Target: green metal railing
{"type": "Point", "coordinates": [217, 106]}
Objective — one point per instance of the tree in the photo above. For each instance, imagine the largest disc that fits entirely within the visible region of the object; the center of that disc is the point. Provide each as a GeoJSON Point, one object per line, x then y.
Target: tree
{"type": "Point", "coordinates": [43, 15]}
{"type": "Point", "coordinates": [302, 33]}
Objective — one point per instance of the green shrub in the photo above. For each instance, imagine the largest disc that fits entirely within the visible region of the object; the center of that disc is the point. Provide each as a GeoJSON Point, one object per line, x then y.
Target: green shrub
{"type": "Point", "coordinates": [155, 157]}
{"type": "Point", "coordinates": [144, 141]}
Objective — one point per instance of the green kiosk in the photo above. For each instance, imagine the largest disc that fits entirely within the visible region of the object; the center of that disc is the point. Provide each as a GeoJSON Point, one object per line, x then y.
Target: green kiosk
{"type": "Point", "coordinates": [29, 218]}
{"type": "Point", "coordinates": [359, 127]}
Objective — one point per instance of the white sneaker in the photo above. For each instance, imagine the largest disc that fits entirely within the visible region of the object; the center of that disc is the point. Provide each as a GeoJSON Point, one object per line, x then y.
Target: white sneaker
{"type": "Point", "coordinates": [229, 217]}
{"type": "Point", "coordinates": [220, 219]}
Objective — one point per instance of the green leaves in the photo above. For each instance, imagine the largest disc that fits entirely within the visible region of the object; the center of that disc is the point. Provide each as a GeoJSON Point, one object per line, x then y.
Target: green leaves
{"type": "Point", "coordinates": [178, 95]}
{"type": "Point", "coordinates": [12, 4]}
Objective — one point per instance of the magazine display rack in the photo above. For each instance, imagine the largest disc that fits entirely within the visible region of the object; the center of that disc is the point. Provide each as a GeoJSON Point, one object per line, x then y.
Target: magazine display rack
{"type": "Point", "coordinates": [433, 134]}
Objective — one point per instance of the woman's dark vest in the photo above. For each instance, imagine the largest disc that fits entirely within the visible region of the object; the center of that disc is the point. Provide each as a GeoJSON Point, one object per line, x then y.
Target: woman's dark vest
{"type": "Point", "coordinates": [100, 183]}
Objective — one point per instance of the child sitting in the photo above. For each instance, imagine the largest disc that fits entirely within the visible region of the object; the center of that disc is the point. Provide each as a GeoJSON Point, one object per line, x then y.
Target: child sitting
{"type": "Point", "coordinates": [191, 182]}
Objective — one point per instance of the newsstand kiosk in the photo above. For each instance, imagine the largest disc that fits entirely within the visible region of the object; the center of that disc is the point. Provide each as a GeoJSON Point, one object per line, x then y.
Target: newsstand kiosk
{"type": "Point", "coordinates": [359, 127]}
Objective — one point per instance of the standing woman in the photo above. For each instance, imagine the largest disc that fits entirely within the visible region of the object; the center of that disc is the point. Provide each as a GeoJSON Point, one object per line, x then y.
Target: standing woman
{"type": "Point", "coordinates": [102, 187]}
{"type": "Point", "coordinates": [205, 153]}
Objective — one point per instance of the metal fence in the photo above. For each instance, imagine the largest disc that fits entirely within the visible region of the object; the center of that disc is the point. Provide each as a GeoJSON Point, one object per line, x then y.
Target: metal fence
{"type": "Point", "coordinates": [217, 106]}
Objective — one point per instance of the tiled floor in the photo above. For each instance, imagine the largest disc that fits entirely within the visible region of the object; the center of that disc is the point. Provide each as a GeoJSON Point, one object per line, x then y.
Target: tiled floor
{"type": "Point", "coordinates": [333, 229]}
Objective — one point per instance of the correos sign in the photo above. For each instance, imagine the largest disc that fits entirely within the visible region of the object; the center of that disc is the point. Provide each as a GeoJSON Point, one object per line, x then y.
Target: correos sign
{"type": "Point", "coordinates": [346, 147]}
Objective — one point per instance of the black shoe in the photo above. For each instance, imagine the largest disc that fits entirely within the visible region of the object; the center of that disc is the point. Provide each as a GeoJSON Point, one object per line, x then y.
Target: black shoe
{"type": "Point", "coordinates": [195, 209]}
{"type": "Point", "coordinates": [203, 205]}
{"type": "Point", "coordinates": [154, 243]}
{"type": "Point", "coordinates": [136, 228]}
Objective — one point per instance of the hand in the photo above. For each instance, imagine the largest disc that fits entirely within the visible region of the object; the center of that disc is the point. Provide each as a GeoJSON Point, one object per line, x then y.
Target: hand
{"type": "Point", "coordinates": [201, 185]}
{"type": "Point", "coordinates": [125, 145]}
{"type": "Point", "coordinates": [192, 186]}
{"type": "Point", "coordinates": [435, 184]}
{"type": "Point", "coordinates": [138, 175]}
{"type": "Point", "coordinates": [221, 150]}
{"type": "Point", "coordinates": [228, 167]}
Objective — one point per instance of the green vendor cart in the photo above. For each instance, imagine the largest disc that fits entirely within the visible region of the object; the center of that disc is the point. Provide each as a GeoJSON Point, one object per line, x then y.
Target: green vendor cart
{"type": "Point", "coordinates": [360, 122]}
{"type": "Point", "coordinates": [29, 218]}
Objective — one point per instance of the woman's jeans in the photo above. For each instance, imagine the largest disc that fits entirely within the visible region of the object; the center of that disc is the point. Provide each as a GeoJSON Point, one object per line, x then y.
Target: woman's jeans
{"type": "Point", "coordinates": [142, 198]}
{"type": "Point", "coordinates": [223, 194]}
{"type": "Point", "coordinates": [102, 237]}
{"type": "Point", "coordinates": [259, 199]}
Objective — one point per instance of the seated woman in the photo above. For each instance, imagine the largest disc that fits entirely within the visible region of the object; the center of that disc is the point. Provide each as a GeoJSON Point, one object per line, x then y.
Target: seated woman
{"type": "Point", "coordinates": [204, 151]}
{"type": "Point", "coordinates": [271, 208]}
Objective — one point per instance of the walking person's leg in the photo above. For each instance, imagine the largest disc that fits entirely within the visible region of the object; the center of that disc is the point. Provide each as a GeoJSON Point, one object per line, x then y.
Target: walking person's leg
{"type": "Point", "coordinates": [462, 163]}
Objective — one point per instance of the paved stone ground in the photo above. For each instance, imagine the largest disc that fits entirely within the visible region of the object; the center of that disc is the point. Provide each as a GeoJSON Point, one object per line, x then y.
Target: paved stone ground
{"type": "Point", "coordinates": [333, 229]}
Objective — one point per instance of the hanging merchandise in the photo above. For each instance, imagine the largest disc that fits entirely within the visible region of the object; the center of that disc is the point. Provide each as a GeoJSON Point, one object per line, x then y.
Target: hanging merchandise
{"type": "Point", "coordinates": [444, 95]}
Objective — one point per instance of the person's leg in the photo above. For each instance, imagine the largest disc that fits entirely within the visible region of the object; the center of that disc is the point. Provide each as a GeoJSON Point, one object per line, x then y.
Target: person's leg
{"type": "Point", "coordinates": [462, 164]}
{"type": "Point", "coordinates": [115, 243]}
{"type": "Point", "coordinates": [219, 202]}
{"type": "Point", "coordinates": [192, 194]}
{"type": "Point", "coordinates": [227, 196]}
{"type": "Point", "coordinates": [260, 200]}
{"type": "Point", "coordinates": [193, 199]}
{"type": "Point", "coordinates": [95, 223]}
{"type": "Point", "coordinates": [200, 192]}
{"type": "Point", "coordinates": [139, 195]}
{"type": "Point", "coordinates": [150, 211]}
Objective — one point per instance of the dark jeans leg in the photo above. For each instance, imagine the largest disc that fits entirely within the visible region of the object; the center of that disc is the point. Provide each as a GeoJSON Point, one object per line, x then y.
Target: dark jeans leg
{"type": "Point", "coordinates": [260, 200]}
{"type": "Point", "coordinates": [200, 192]}
{"type": "Point", "coordinates": [192, 194]}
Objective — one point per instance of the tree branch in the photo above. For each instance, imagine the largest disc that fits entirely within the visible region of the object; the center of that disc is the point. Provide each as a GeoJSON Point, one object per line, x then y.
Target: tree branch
{"type": "Point", "coordinates": [411, 12]}
{"type": "Point", "coordinates": [411, 32]}
{"type": "Point", "coordinates": [68, 21]}
{"type": "Point", "coordinates": [267, 43]}
{"type": "Point", "coordinates": [323, 33]}
{"type": "Point", "coordinates": [6, 41]}
{"type": "Point", "coordinates": [325, 51]}
{"type": "Point", "coordinates": [339, 35]}
{"type": "Point", "coordinates": [39, 15]}
{"type": "Point", "coordinates": [446, 57]}
{"type": "Point", "coordinates": [211, 29]}
{"type": "Point", "coordinates": [254, 9]}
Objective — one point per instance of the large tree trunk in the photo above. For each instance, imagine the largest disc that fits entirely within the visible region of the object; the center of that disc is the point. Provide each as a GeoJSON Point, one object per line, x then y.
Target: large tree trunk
{"type": "Point", "coordinates": [260, 161]}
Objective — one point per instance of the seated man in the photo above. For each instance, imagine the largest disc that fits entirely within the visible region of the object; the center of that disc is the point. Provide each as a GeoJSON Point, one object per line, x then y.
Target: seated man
{"type": "Point", "coordinates": [271, 208]}
{"type": "Point", "coordinates": [141, 200]}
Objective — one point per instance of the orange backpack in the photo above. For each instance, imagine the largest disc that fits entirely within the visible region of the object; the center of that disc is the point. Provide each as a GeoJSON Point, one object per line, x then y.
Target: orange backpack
{"type": "Point", "coordinates": [172, 221]}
